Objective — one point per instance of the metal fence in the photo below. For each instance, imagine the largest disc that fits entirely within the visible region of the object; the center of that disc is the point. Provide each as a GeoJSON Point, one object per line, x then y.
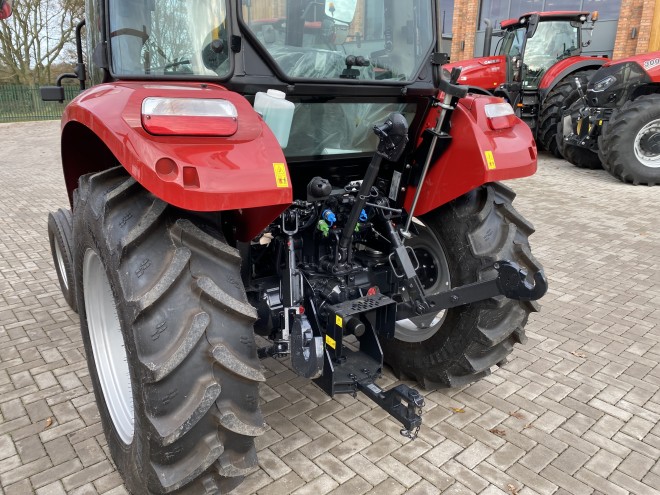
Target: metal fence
{"type": "Point", "coordinates": [20, 103]}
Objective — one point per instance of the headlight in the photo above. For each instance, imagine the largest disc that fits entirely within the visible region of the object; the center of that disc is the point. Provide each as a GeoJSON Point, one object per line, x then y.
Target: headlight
{"type": "Point", "coordinates": [603, 84]}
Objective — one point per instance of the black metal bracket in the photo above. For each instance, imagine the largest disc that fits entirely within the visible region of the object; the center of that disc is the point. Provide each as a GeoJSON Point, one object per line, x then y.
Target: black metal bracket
{"type": "Point", "coordinates": [408, 414]}
{"type": "Point", "coordinates": [511, 282]}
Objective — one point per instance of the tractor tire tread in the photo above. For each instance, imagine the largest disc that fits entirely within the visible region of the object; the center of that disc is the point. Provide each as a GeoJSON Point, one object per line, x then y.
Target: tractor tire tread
{"type": "Point", "coordinates": [551, 109]}
{"type": "Point", "coordinates": [482, 334]}
{"type": "Point", "coordinates": [616, 138]}
{"type": "Point", "coordinates": [199, 414]}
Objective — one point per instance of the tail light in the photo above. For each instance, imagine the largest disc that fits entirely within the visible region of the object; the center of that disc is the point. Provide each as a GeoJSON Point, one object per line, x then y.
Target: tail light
{"type": "Point", "coordinates": [500, 116]}
{"type": "Point", "coordinates": [189, 117]}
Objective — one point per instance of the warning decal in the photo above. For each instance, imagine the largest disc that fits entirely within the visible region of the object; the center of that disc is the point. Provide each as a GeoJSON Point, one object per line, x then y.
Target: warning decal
{"type": "Point", "coordinates": [330, 341]}
{"type": "Point", "coordinates": [280, 175]}
{"type": "Point", "coordinates": [490, 159]}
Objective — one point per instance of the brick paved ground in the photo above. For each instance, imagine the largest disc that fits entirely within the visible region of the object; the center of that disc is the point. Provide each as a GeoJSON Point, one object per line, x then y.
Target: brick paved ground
{"type": "Point", "coordinates": [575, 411]}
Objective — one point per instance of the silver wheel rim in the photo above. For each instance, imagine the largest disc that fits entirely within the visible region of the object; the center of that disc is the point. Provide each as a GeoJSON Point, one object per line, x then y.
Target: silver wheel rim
{"type": "Point", "coordinates": [646, 158]}
{"type": "Point", "coordinates": [108, 346]}
{"type": "Point", "coordinates": [416, 330]}
{"type": "Point", "coordinates": [59, 259]}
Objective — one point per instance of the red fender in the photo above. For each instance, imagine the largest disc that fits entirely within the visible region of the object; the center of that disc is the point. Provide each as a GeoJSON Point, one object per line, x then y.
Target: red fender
{"type": "Point", "coordinates": [477, 155]}
{"type": "Point", "coordinates": [567, 66]}
{"type": "Point", "coordinates": [212, 173]}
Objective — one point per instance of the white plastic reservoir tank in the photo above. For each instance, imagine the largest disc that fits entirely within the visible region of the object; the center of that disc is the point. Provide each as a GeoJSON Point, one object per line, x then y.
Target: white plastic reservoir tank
{"type": "Point", "coordinates": [277, 113]}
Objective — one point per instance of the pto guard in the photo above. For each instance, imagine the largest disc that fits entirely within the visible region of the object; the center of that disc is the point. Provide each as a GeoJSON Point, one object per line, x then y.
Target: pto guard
{"type": "Point", "coordinates": [476, 155]}
{"type": "Point", "coordinates": [245, 173]}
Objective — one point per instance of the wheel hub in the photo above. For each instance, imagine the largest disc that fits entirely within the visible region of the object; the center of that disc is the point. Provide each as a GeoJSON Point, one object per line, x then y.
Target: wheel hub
{"type": "Point", "coordinates": [427, 271]}
{"type": "Point", "coordinates": [108, 346]}
{"type": "Point", "coordinates": [433, 273]}
{"type": "Point", "coordinates": [647, 144]}
{"type": "Point", "coordinates": [650, 143]}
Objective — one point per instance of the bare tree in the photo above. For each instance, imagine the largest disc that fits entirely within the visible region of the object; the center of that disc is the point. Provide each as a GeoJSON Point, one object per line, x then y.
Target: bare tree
{"type": "Point", "coordinates": [35, 37]}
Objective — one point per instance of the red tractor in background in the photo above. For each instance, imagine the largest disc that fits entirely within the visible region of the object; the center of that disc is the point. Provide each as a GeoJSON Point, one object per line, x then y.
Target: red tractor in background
{"type": "Point", "coordinates": [294, 169]}
{"type": "Point", "coordinates": [615, 123]}
{"type": "Point", "coordinates": [535, 66]}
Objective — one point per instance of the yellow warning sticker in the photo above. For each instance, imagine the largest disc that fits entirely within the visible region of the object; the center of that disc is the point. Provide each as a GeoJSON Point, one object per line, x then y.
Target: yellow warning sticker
{"type": "Point", "coordinates": [280, 175]}
{"type": "Point", "coordinates": [330, 341]}
{"type": "Point", "coordinates": [339, 321]}
{"type": "Point", "coordinates": [490, 159]}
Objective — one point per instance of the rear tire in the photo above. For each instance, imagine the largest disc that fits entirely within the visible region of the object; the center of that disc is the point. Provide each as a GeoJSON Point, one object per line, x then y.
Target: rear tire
{"type": "Point", "coordinates": [561, 96]}
{"type": "Point", "coordinates": [60, 232]}
{"type": "Point", "coordinates": [577, 155]}
{"type": "Point", "coordinates": [164, 292]}
{"type": "Point", "coordinates": [626, 155]}
{"type": "Point", "coordinates": [473, 232]}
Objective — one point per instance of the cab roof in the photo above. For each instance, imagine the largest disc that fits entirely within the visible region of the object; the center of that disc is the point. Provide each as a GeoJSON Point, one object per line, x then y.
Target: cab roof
{"type": "Point", "coordinates": [556, 15]}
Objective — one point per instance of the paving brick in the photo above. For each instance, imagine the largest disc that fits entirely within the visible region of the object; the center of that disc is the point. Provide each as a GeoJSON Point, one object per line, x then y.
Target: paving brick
{"type": "Point", "coordinates": [389, 487]}
{"type": "Point", "coordinates": [7, 448]}
{"type": "Point", "coordinates": [631, 484]}
{"type": "Point", "coordinates": [286, 484]}
{"type": "Point", "coordinates": [570, 460]}
{"type": "Point", "coordinates": [474, 454]}
{"type": "Point", "coordinates": [320, 486]}
{"type": "Point", "coordinates": [538, 458]}
{"type": "Point", "coordinates": [30, 448]}
{"type": "Point", "coordinates": [399, 471]}
{"type": "Point", "coordinates": [355, 486]}
{"type": "Point", "coordinates": [334, 467]}
{"type": "Point", "coordinates": [87, 475]}
{"type": "Point", "coordinates": [20, 488]}
{"type": "Point", "coordinates": [305, 468]}
{"type": "Point", "coordinates": [273, 465]}
{"type": "Point", "coordinates": [368, 470]}
{"type": "Point", "coordinates": [599, 483]}
{"type": "Point", "coordinates": [465, 476]}
{"type": "Point", "coordinates": [322, 444]}
{"type": "Point", "coordinates": [636, 465]}
{"type": "Point", "coordinates": [54, 488]}
{"type": "Point", "coordinates": [523, 475]}
{"type": "Point", "coordinates": [565, 481]}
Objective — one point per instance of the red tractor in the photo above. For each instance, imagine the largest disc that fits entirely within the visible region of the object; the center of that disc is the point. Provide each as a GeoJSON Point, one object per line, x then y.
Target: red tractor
{"type": "Point", "coordinates": [538, 58]}
{"type": "Point", "coordinates": [294, 169]}
{"type": "Point", "coordinates": [615, 123]}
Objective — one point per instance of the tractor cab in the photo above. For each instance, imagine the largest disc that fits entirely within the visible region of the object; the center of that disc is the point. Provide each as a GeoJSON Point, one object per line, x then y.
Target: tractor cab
{"type": "Point", "coordinates": [344, 64]}
{"type": "Point", "coordinates": [536, 42]}
{"type": "Point", "coordinates": [528, 48]}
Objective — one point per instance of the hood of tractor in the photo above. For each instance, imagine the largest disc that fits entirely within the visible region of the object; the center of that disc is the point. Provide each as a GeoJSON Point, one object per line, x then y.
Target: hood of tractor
{"type": "Point", "coordinates": [482, 72]}
{"type": "Point", "coordinates": [615, 82]}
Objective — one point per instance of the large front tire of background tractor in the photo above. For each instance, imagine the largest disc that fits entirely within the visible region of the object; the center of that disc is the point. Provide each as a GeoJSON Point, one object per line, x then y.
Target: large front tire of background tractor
{"type": "Point", "coordinates": [462, 344]}
{"type": "Point", "coordinates": [630, 142]}
{"type": "Point", "coordinates": [169, 342]}
{"type": "Point", "coordinates": [577, 155]}
{"type": "Point", "coordinates": [561, 96]}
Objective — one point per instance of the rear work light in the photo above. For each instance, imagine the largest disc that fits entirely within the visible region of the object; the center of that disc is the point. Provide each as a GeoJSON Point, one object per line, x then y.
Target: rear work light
{"type": "Point", "coordinates": [189, 117]}
{"type": "Point", "coordinates": [500, 115]}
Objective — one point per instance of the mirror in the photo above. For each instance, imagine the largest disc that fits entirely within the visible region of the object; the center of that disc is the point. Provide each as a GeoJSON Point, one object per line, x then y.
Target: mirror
{"type": "Point", "coordinates": [533, 24]}
{"type": "Point", "coordinates": [341, 10]}
{"type": "Point", "coordinates": [5, 9]}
